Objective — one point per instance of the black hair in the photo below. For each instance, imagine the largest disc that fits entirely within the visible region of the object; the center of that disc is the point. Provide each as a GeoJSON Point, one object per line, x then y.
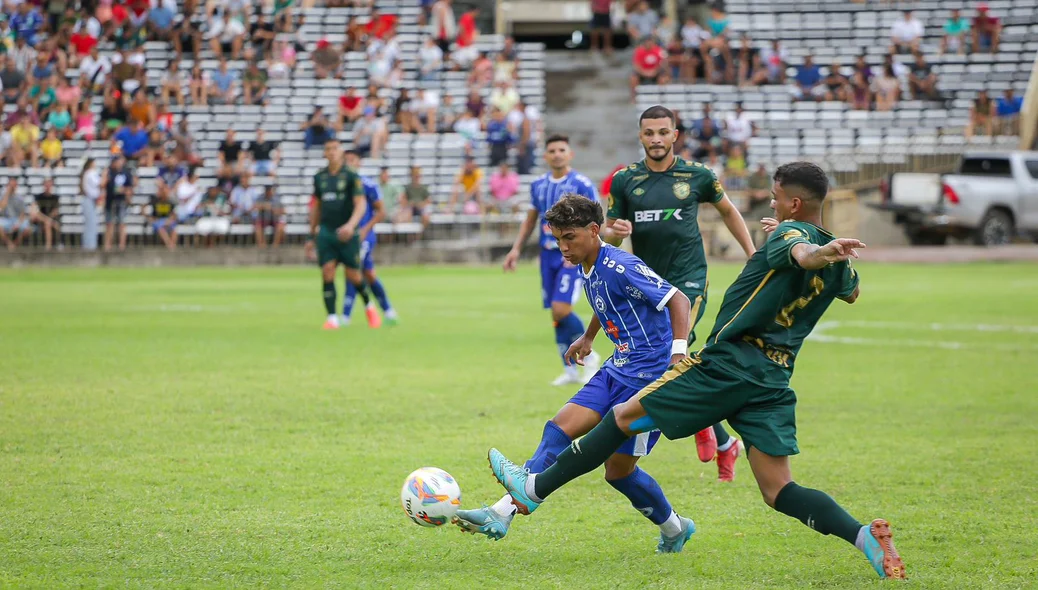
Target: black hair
{"type": "Point", "coordinates": [658, 112]}
{"type": "Point", "coordinates": [556, 137]}
{"type": "Point", "coordinates": [351, 151]}
{"type": "Point", "coordinates": [810, 178]}
{"type": "Point", "coordinates": [574, 210]}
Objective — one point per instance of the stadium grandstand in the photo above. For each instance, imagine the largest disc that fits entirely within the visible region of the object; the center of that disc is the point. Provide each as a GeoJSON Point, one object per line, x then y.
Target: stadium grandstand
{"type": "Point", "coordinates": [450, 109]}
{"type": "Point", "coordinates": [191, 74]}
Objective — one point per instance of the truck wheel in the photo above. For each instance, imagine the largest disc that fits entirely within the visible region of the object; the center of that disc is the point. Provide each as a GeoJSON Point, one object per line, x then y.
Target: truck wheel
{"type": "Point", "coordinates": [996, 229]}
{"type": "Point", "coordinates": [927, 239]}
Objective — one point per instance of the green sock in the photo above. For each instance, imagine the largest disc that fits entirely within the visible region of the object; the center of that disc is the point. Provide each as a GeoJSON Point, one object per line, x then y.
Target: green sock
{"type": "Point", "coordinates": [329, 297]}
{"type": "Point", "coordinates": [818, 511]}
{"type": "Point", "coordinates": [581, 456]}
{"type": "Point", "coordinates": [721, 434]}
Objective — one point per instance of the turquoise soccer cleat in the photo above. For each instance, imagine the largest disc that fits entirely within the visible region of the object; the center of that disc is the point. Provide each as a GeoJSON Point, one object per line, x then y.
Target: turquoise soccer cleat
{"type": "Point", "coordinates": [513, 478]}
{"type": "Point", "coordinates": [879, 548]}
{"type": "Point", "coordinates": [676, 543]}
{"type": "Point", "coordinates": [483, 521]}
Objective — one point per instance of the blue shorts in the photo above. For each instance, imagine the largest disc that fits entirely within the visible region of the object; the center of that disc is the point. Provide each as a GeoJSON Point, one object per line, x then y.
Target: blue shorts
{"type": "Point", "coordinates": [10, 225]}
{"type": "Point", "coordinates": [559, 282]}
{"type": "Point", "coordinates": [601, 394]}
{"type": "Point", "coordinates": [367, 252]}
{"type": "Point", "coordinates": [170, 223]}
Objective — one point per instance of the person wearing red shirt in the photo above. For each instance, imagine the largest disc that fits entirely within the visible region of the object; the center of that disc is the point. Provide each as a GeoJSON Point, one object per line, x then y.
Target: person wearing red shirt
{"type": "Point", "coordinates": [83, 43]}
{"type": "Point", "coordinates": [608, 182]}
{"type": "Point", "coordinates": [649, 61]}
{"type": "Point", "coordinates": [467, 31]}
{"type": "Point", "coordinates": [380, 24]}
{"type": "Point", "coordinates": [351, 107]}
{"type": "Point", "coordinates": [986, 30]}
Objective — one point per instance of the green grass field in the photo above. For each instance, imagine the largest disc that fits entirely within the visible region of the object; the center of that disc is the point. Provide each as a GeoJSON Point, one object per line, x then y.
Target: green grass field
{"type": "Point", "coordinates": [196, 428]}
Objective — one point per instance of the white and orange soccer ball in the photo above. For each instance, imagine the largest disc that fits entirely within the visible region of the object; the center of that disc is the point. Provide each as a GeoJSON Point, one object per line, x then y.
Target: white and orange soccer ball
{"type": "Point", "coordinates": [430, 496]}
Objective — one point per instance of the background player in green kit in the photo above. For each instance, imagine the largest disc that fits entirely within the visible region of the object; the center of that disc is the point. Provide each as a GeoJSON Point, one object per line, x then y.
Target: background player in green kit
{"type": "Point", "coordinates": [338, 208]}
{"type": "Point", "coordinates": [656, 202]}
{"type": "Point", "coordinates": [742, 374]}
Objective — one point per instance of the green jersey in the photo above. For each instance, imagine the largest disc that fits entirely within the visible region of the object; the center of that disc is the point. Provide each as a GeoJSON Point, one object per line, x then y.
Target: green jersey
{"type": "Point", "coordinates": [663, 208]}
{"type": "Point", "coordinates": [336, 193]}
{"type": "Point", "coordinates": [774, 304]}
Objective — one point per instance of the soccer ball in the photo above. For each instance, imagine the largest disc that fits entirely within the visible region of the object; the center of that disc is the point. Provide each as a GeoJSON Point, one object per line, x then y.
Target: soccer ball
{"type": "Point", "coordinates": [430, 496]}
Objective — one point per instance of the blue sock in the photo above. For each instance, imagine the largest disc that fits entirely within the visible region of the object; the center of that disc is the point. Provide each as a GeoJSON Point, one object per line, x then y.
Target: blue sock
{"type": "Point", "coordinates": [380, 294]}
{"type": "Point", "coordinates": [567, 330]}
{"type": "Point", "coordinates": [347, 300]}
{"type": "Point", "coordinates": [645, 495]}
{"type": "Point", "coordinates": [553, 441]}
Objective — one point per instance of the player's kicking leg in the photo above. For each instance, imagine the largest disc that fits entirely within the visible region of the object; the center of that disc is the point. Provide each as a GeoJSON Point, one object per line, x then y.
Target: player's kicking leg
{"type": "Point", "coordinates": [562, 285]}
{"type": "Point", "coordinates": [820, 512]}
{"type": "Point", "coordinates": [574, 420]}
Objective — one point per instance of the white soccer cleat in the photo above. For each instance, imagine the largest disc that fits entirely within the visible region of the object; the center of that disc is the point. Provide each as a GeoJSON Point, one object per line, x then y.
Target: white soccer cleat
{"type": "Point", "coordinates": [592, 363]}
{"type": "Point", "coordinates": [567, 378]}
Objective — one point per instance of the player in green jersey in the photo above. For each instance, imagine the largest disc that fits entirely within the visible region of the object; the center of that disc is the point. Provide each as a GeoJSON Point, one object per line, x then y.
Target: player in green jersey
{"type": "Point", "coordinates": [656, 202]}
{"type": "Point", "coordinates": [742, 374]}
{"type": "Point", "coordinates": [338, 207]}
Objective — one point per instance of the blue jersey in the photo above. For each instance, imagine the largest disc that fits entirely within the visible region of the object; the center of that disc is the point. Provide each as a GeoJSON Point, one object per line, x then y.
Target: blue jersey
{"type": "Point", "coordinates": [630, 300]}
{"type": "Point", "coordinates": [372, 194]}
{"type": "Point", "coordinates": [546, 191]}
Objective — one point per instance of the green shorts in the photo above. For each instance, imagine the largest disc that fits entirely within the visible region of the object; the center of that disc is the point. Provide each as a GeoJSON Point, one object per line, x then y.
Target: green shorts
{"type": "Point", "coordinates": [697, 298]}
{"type": "Point", "coordinates": [330, 248]}
{"type": "Point", "coordinates": [699, 392]}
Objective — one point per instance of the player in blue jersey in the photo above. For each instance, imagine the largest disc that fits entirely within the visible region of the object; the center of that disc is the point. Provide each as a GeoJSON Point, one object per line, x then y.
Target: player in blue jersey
{"type": "Point", "coordinates": [560, 280]}
{"type": "Point", "coordinates": [376, 213]}
{"type": "Point", "coordinates": [637, 308]}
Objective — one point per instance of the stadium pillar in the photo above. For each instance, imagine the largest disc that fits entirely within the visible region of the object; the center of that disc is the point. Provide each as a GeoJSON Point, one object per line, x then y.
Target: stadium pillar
{"type": "Point", "coordinates": [1029, 114]}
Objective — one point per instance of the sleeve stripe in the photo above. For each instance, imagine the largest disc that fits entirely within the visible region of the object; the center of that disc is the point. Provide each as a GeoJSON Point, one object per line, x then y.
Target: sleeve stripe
{"type": "Point", "coordinates": [666, 298]}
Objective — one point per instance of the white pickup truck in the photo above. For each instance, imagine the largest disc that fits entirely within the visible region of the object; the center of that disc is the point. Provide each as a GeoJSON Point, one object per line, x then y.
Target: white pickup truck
{"type": "Point", "coordinates": [992, 198]}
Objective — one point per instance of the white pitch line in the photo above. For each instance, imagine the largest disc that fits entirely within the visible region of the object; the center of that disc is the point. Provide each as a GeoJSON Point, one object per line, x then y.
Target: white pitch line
{"type": "Point", "coordinates": [819, 335]}
{"type": "Point", "coordinates": [936, 326]}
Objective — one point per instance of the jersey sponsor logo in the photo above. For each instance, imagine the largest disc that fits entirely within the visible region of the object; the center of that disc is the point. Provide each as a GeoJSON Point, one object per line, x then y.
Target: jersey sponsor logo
{"type": "Point", "coordinates": [691, 285]}
{"type": "Point", "coordinates": [634, 292]}
{"type": "Point", "coordinates": [600, 303]}
{"type": "Point", "coordinates": [619, 361]}
{"type": "Point", "coordinates": [638, 191]}
{"type": "Point", "coordinates": [633, 167]}
{"type": "Point", "coordinates": [792, 234]}
{"type": "Point", "coordinates": [639, 177]}
{"type": "Point", "coordinates": [682, 190]}
{"type": "Point", "coordinates": [682, 174]}
{"type": "Point", "coordinates": [649, 215]}
{"type": "Point", "coordinates": [330, 196]}
{"type": "Point", "coordinates": [650, 274]}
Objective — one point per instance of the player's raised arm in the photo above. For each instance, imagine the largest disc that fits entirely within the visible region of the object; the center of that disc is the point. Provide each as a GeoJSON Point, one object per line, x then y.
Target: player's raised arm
{"type": "Point", "coordinates": [814, 257]}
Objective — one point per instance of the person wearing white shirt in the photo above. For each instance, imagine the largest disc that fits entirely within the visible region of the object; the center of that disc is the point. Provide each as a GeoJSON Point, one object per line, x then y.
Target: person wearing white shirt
{"type": "Point", "coordinates": [431, 60]}
{"type": "Point", "coordinates": [226, 35]}
{"type": "Point", "coordinates": [905, 34]}
{"type": "Point", "coordinates": [94, 68]}
{"type": "Point", "coordinates": [243, 199]}
{"type": "Point", "coordinates": [189, 197]}
{"type": "Point", "coordinates": [90, 182]}
{"type": "Point", "coordinates": [738, 127]}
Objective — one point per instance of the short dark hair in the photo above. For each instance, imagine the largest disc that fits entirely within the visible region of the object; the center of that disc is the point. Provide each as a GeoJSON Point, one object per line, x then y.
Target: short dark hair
{"type": "Point", "coordinates": [574, 210]}
{"type": "Point", "coordinates": [351, 151]}
{"type": "Point", "coordinates": [556, 137]}
{"type": "Point", "coordinates": [658, 112]}
{"type": "Point", "coordinates": [807, 176]}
